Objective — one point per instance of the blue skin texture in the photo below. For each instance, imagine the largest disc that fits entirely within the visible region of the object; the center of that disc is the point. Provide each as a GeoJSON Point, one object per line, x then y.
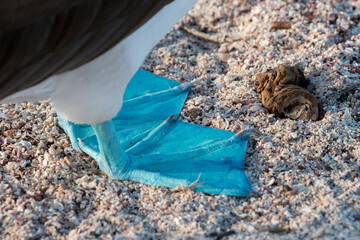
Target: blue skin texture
{"type": "Point", "coordinates": [145, 142]}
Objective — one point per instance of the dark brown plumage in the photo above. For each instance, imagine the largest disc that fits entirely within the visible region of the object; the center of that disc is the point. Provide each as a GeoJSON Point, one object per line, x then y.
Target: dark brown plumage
{"type": "Point", "coordinates": [40, 38]}
{"type": "Point", "coordinates": [283, 92]}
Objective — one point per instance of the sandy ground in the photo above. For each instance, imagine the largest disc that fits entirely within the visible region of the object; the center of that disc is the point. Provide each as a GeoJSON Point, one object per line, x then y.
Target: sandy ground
{"type": "Point", "coordinates": [306, 172]}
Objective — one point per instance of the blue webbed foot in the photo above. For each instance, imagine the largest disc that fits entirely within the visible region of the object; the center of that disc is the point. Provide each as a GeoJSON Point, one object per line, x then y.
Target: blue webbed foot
{"type": "Point", "coordinates": [166, 156]}
{"type": "Point", "coordinates": [145, 143]}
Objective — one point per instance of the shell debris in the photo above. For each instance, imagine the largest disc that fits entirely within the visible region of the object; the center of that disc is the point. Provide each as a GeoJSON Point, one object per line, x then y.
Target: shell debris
{"type": "Point", "coordinates": [307, 173]}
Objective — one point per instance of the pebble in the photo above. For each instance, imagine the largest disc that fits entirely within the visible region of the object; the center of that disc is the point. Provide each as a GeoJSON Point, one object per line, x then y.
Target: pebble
{"type": "Point", "coordinates": [194, 112]}
{"type": "Point", "coordinates": [193, 59]}
{"type": "Point", "coordinates": [347, 116]}
{"type": "Point", "coordinates": [220, 85]}
{"type": "Point", "coordinates": [293, 135]}
{"type": "Point", "coordinates": [25, 144]}
{"type": "Point", "coordinates": [256, 108]}
{"type": "Point", "coordinates": [223, 57]}
{"type": "Point", "coordinates": [268, 145]}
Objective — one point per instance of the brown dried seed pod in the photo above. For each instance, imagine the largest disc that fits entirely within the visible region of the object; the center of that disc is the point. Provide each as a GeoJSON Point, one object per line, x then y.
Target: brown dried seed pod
{"type": "Point", "coordinates": [283, 92]}
{"type": "Point", "coordinates": [293, 102]}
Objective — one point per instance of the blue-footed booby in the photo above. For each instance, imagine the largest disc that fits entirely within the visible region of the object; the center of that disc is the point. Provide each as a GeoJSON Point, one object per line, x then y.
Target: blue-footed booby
{"type": "Point", "coordinates": [84, 55]}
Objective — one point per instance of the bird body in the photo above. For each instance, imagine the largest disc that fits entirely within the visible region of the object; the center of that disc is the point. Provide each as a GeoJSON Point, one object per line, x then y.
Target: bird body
{"type": "Point", "coordinates": [93, 92]}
